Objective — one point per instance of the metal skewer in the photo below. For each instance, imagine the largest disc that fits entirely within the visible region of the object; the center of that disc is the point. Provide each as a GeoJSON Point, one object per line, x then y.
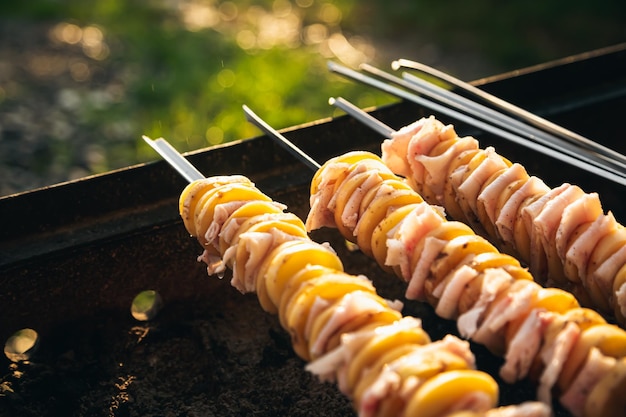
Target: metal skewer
{"type": "Point", "coordinates": [510, 108]}
{"type": "Point", "coordinates": [174, 158]}
{"type": "Point", "coordinates": [362, 116]}
{"type": "Point", "coordinates": [607, 155]}
{"type": "Point", "coordinates": [581, 161]}
{"type": "Point", "coordinates": [503, 121]}
{"type": "Point", "coordinates": [489, 115]}
{"type": "Point", "coordinates": [281, 140]}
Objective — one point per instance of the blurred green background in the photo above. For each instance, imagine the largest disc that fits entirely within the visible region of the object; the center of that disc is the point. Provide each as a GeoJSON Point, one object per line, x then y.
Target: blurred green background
{"type": "Point", "coordinates": [80, 82]}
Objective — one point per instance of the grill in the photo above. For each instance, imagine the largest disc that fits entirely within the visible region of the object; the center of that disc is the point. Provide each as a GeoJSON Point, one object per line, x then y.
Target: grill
{"type": "Point", "coordinates": [74, 255]}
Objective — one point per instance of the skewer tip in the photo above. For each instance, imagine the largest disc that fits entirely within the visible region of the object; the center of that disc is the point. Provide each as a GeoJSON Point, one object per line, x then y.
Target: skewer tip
{"type": "Point", "coordinates": [253, 118]}
{"type": "Point", "coordinates": [247, 112]}
{"type": "Point", "coordinates": [280, 139]}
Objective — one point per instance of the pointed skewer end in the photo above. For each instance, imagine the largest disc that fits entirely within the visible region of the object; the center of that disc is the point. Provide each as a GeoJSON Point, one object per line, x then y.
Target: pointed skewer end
{"type": "Point", "coordinates": [174, 158]}
{"type": "Point", "coordinates": [361, 116]}
{"type": "Point", "coordinates": [280, 139]}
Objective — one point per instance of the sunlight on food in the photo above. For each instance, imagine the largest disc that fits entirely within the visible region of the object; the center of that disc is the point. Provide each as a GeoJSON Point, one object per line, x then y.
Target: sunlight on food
{"type": "Point", "coordinates": [21, 345]}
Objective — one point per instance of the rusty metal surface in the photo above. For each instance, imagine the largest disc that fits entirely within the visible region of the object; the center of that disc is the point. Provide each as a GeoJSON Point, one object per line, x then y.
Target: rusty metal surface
{"type": "Point", "coordinates": [73, 256]}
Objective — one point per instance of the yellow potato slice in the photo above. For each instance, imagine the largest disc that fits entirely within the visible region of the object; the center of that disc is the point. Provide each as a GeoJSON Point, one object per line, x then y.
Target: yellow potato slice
{"type": "Point", "coordinates": [328, 287]}
{"type": "Point", "coordinates": [251, 209]}
{"type": "Point", "coordinates": [486, 223]}
{"type": "Point", "coordinates": [555, 300]}
{"type": "Point", "coordinates": [608, 338]}
{"type": "Point", "coordinates": [599, 298]}
{"type": "Point", "coordinates": [343, 194]}
{"type": "Point", "coordinates": [289, 258]}
{"type": "Point", "coordinates": [220, 195]}
{"type": "Point", "coordinates": [470, 216]}
{"type": "Point", "coordinates": [511, 265]}
{"type": "Point", "coordinates": [377, 346]}
{"type": "Point", "coordinates": [347, 158]}
{"type": "Point", "coordinates": [450, 196]}
{"type": "Point", "coordinates": [430, 365]}
{"type": "Point", "coordinates": [620, 280]}
{"type": "Point", "coordinates": [521, 235]}
{"type": "Point", "coordinates": [607, 397]}
{"type": "Point", "coordinates": [363, 323]}
{"type": "Point", "coordinates": [382, 231]}
{"type": "Point", "coordinates": [294, 284]}
{"type": "Point", "coordinates": [439, 393]}
{"type": "Point", "coordinates": [606, 246]}
{"type": "Point", "coordinates": [195, 190]}
{"type": "Point", "coordinates": [570, 269]}
{"type": "Point", "coordinates": [378, 210]}
{"type": "Point", "coordinates": [322, 319]}
{"type": "Point", "coordinates": [447, 231]}
{"type": "Point", "coordinates": [242, 255]}
{"type": "Point", "coordinates": [584, 317]}
{"type": "Point", "coordinates": [459, 248]}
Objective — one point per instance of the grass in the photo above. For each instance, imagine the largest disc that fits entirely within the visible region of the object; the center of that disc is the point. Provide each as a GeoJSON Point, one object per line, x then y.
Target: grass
{"type": "Point", "coordinates": [164, 72]}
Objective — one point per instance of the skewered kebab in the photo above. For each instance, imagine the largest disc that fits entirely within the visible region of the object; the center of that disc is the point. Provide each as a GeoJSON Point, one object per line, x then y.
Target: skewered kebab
{"type": "Point", "coordinates": [592, 162]}
{"type": "Point", "coordinates": [561, 233]}
{"type": "Point", "coordinates": [542, 333]}
{"type": "Point", "coordinates": [558, 340]}
{"type": "Point", "coordinates": [385, 362]}
{"type": "Point", "coordinates": [566, 268]}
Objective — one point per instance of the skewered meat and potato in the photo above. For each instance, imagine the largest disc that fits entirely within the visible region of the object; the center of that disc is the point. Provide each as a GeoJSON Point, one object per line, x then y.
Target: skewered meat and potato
{"type": "Point", "coordinates": [385, 362]}
{"type": "Point", "coordinates": [562, 233]}
{"type": "Point", "coordinates": [542, 333]}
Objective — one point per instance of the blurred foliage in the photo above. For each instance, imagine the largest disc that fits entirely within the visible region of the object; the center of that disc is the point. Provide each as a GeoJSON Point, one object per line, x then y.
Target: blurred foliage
{"type": "Point", "coordinates": [188, 85]}
{"type": "Point", "coordinates": [182, 69]}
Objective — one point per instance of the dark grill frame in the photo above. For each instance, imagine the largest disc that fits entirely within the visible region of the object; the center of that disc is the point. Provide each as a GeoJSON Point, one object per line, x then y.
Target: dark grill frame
{"type": "Point", "coordinates": [73, 255]}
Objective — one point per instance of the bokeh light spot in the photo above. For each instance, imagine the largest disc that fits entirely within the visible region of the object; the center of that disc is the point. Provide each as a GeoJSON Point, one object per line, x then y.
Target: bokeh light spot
{"type": "Point", "coordinates": [214, 135]}
{"type": "Point", "coordinates": [226, 78]}
{"type": "Point", "coordinates": [246, 39]}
